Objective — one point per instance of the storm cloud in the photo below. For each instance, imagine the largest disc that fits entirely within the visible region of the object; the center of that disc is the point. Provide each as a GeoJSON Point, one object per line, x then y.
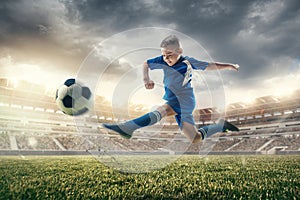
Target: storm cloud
{"type": "Point", "coordinates": [261, 36]}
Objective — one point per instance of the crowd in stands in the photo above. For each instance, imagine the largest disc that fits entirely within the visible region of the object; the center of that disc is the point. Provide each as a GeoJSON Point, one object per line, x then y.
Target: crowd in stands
{"type": "Point", "coordinates": [115, 143]}
{"type": "Point", "coordinates": [249, 144]}
{"type": "Point", "coordinates": [263, 131]}
{"type": "Point", "coordinates": [30, 120]}
{"type": "Point", "coordinates": [34, 131]}
{"type": "Point", "coordinates": [4, 140]}
{"type": "Point", "coordinates": [74, 142]}
{"type": "Point", "coordinates": [291, 142]}
{"type": "Point", "coordinates": [35, 141]}
{"type": "Point", "coordinates": [223, 145]}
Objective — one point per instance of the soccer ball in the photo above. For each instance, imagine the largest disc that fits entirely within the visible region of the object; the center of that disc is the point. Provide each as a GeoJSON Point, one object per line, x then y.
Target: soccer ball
{"type": "Point", "coordinates": [72, 98]}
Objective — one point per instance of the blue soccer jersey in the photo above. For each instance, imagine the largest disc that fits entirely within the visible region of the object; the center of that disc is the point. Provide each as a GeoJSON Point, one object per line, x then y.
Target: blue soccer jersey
{"type": "Point", "coordinates": [174, 75]}
{"type": "Point", "coordinates": [178, 95]}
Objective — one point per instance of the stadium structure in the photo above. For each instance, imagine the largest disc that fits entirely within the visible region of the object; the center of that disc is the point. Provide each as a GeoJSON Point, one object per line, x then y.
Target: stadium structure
{"type": "Point", "coordinates": [31, 124]}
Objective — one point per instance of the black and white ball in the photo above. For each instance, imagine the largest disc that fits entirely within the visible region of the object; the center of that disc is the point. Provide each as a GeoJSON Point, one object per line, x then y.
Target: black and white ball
{"type": "Point", "coordinates": [73, 98]}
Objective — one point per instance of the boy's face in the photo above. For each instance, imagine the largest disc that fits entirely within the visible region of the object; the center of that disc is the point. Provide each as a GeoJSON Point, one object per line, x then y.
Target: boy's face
{"type": "Point", "coordinates": [171, 54]}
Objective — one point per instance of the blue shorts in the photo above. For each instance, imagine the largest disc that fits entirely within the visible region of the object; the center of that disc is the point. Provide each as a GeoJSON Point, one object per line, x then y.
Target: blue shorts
{"type": "Point", "coordinates": [184, 107]}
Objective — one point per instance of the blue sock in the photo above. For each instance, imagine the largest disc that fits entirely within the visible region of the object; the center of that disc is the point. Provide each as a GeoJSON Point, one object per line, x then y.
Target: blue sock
{"type": "Point", "coordinates": [145, 120]}
{"type": "Point", "coordinates": [209, 130]}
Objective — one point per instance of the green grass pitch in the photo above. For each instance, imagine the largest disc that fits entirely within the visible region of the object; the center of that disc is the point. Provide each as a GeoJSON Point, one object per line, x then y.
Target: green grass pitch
{"type": "Point", "coordinates": [190, 177]}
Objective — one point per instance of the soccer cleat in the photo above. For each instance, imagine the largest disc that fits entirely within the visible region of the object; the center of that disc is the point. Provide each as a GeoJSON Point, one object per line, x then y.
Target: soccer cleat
{"type": "Point", "coordinates": [120, 129]}
{"type": "Point", "coordinates": [228, 126]}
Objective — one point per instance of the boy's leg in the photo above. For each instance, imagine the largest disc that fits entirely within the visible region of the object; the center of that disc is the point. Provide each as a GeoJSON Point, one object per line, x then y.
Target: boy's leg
{"type": "Point", "coordinates": [127, 128]}
{"type": "Point", "coordinates": [196, 136]}
{"type": "Point", "coordinates": [166, 110]}
{"type": "Point", "coordinates": [221, 126]}
{"type": "Point", "coordinates": [191, 132]}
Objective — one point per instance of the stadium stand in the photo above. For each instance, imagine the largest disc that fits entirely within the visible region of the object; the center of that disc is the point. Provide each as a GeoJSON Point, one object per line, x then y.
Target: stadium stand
{"type": "Point", "coordinates": [4, 140]}
{"type": "Point", "coordinates": [226, 144]}
{"type": "Point", "coordinates": [31, 121]}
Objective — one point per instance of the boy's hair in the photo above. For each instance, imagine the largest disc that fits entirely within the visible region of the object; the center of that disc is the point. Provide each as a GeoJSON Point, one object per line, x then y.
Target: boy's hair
{"type": "Point", "coordinates": [170, 40]}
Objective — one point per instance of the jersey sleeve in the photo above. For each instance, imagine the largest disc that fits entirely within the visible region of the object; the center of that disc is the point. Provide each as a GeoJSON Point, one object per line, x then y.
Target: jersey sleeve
{"type": "Point", "coordinates": [155, 63]}
{"type": "Point", "coordinates": [197, 64]}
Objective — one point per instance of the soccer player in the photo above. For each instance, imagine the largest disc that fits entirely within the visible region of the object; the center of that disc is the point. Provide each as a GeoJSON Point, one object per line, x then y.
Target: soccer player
{"type": "Point", "coordinates": [179, 94]}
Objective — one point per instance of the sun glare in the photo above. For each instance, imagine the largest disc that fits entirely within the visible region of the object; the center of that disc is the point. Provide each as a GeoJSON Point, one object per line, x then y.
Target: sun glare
{"type": "Point", "coordinates": [14, 82]}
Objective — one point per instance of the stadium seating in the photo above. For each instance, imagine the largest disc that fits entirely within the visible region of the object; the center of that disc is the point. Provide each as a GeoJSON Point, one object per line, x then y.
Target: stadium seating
{"type": "Point", "coordinates": [30, 120]}
{"type": "Point", "coordinates": [4, 140]}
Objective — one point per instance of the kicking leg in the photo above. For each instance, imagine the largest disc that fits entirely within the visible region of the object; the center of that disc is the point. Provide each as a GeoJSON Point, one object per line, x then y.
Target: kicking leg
{"type": "Point", "coordinates": [196, 136]}
{"type": "Point", "coordinates": [126, 129]}
{"type": "Point", "coordinates": [221, 126]}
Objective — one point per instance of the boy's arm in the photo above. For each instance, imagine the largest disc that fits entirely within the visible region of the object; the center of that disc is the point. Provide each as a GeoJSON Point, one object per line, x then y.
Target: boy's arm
{"type": "Point", "coordinates": [149, 84]}
{"type": "Point", "coordinates": [220, 66]}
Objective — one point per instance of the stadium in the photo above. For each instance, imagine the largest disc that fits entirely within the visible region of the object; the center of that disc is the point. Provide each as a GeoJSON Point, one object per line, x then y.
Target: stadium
{"type": "Point", "coordinates": [31, 124]}
{"type": "Point", "coordinates": [46, 154]}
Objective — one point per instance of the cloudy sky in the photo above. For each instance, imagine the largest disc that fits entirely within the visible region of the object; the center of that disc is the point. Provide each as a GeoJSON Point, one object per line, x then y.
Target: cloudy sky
{"type": "Point", "coordinates": [48, 41]}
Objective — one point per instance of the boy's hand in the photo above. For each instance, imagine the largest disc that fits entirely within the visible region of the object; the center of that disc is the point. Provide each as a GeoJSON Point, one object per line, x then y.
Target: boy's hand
{"type": "Point", "coordinates": [149, 84]}
{"type": "Point", "coordinates": [235, 67]}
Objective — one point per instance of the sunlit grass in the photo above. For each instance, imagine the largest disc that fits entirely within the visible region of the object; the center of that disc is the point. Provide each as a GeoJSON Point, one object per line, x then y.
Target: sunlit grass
{"type": "Point", "coordinates": [190, 177]}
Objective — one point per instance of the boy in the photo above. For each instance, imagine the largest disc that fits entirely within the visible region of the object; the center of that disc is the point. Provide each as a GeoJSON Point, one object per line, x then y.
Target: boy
{"type": "Point", "coordinates": [179, 94]}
